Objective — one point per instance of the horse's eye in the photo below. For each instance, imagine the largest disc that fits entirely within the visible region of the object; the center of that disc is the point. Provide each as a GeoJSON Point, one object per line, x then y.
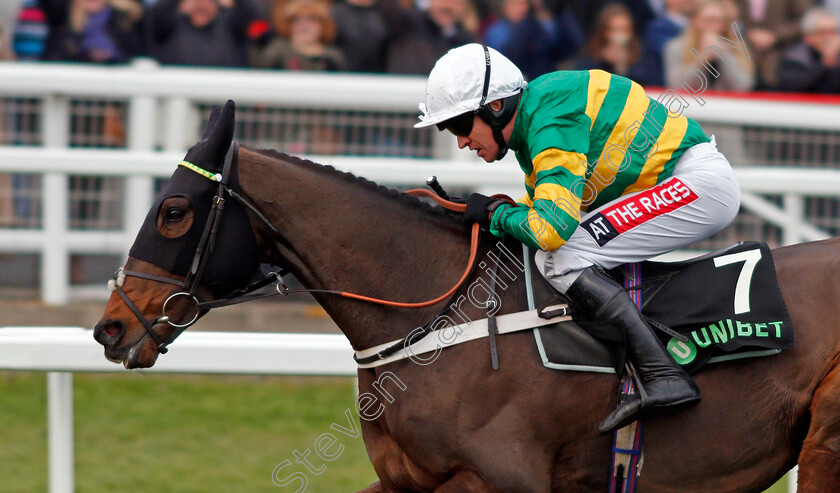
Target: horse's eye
{"type": "Point", "coordinates": [173, 215]}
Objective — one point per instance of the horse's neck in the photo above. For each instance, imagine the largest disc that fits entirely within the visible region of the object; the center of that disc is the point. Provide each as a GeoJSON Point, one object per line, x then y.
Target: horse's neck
{"type": "Point", "coordinates": [338, 234]}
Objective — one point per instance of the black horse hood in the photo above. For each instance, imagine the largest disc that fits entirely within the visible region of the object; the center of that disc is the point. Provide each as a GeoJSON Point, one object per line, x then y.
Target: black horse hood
{"type": "Point", "coordinates": [234, 258]}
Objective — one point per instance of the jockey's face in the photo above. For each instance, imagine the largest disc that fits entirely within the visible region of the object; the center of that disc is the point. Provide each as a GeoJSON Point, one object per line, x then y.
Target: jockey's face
{"type": "Point", "coordinates": [481, 141]}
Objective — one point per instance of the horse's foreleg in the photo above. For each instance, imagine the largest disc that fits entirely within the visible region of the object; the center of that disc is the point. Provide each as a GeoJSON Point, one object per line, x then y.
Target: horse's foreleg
{"type": "Point", "coordinates": [819, 461]}
{"type": "Point", "coordinates": [465, 482]}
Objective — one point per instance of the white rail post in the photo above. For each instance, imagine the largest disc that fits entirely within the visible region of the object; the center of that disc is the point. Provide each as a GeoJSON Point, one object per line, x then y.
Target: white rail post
{"type": "Point", "coordinates": [177, 122]}
{"type": "Point", "coordinates": [794, 205]}
{"type": "Point", "coordinates": [443, 145]}
{"type": "Point", "coordinates": [792, 479]}
{"type": "Point", "coordinates": [139, 188]}
{"type": "Point", "coordinates": [55, 259]}
{"type": "Point", "coordinates": [60, 430]}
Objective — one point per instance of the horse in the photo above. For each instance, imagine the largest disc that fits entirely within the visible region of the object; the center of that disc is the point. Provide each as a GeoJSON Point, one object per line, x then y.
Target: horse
{"type": "Point", "coordinates": [456, 424]}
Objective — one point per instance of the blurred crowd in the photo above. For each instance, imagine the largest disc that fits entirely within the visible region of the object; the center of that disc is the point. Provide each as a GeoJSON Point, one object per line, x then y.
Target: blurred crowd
{"type": "Point", "coordinates": [743, 45]}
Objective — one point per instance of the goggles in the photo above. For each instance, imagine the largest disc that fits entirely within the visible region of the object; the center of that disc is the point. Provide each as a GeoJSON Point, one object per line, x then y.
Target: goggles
{"type": "Point", "coordinates": [460, 125]}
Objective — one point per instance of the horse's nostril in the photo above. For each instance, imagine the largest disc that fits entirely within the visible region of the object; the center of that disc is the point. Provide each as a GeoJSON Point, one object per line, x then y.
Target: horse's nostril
{"type": "Point", "coordinates": [108, 332]}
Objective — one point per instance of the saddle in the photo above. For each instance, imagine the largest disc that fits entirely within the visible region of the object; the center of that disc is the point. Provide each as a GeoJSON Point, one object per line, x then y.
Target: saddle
{"type": "Point", "coordinates": [721, 306]}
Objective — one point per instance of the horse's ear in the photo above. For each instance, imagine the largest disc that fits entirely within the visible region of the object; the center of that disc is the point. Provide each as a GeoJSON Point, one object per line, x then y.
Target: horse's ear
{"type": "Point", "coordinates": [211, 122]}
{"type": "Point", "coordinates": [220, 136]}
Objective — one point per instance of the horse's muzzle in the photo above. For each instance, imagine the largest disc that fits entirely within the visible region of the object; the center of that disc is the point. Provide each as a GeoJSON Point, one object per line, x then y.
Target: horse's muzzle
{"type": "Point", "coordinates": [109, 332]}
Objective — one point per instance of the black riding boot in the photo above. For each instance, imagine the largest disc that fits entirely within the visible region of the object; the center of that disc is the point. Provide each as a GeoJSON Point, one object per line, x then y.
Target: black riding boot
{"type": "Point", "coordinates": [665, 383]}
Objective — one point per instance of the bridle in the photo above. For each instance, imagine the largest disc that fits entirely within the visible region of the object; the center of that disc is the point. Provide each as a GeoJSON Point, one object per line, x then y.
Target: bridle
{"type": "Point", "coordinates": [206, 245]}
{"type": "Point", "coordinates": [189, 285]}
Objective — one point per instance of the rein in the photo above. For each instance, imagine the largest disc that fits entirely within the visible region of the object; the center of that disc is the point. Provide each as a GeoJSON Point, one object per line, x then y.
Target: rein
{"type": "Point", "coordinates": [207, 243]}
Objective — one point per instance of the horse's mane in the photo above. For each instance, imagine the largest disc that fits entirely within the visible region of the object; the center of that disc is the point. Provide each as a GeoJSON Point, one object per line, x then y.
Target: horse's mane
{"type": "Point", "coordinates": [383, 190]}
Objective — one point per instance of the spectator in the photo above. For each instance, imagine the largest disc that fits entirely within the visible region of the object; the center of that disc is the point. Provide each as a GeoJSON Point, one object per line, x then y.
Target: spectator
{"type": "Point", "coordinates": [6, 193]}
{"type": "Point", "coordinates": [306, 31]}
{"type": "Point", "coordinates": [667, 25]}
{"type": "Point", "coordinates": [97, 31]}
{"type": "Point", "coordinates": [709, 21]}
{"type": "Point", "coordinates": [659, 31]}
{"type": "Point", "coordinates": [8, 14]}
{"type": "Point", "coordinates": [30, 33]}
{"type": "Point", "coordinates": [418, 38]}
{"type": "Point", "coordinates": [585, 12]}
{"type": "Point", "coordinates": [811, 65]}
{"type": "Point", "coordinates": [644, 11]}
{"type": "Point", "coordinates": [526, 34]}
{"type": "Point", "coordinates": [570, 36]}
{"type": "Point", "coordinates": [210, 33]}
{"type": "Point", "coordinates": [769, 27]}
{"type": "Point", "coordinates": [483, 10]}
{"type": "Point", "coordinates": [5, 44]}
{"type": "Point", "coordinates": [614, 45]}
{"type": "Point", "coordinates": [361, 34]}
{"type": "Point", "coordinates": [471, 20]}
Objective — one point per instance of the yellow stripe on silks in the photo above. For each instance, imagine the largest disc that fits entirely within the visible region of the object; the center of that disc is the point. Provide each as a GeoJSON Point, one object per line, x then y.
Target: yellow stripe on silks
{"type": "Point", "coordinates": [544, 233]}
{"type": "Point", "coordinates": [599, 86]}
{"type": "Point", "coordinates": [551, 158]}
{"type": "Point", "coordinates": [634, 108]}
{"type": "Point", "coordinates": [526, 201]}
{"type": "Point", "coordinates": [531, 180]}
{"type": "Point", "coordinates": [668, 142]}
{"type": "Point", "coordinates": [561, 197]}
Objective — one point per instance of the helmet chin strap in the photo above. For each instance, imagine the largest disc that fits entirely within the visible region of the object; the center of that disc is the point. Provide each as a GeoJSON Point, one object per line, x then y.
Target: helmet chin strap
{"type": "Point", "coordinates": [500, 139]}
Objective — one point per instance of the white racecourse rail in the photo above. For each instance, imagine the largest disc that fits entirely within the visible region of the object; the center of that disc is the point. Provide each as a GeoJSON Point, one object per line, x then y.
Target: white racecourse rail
{"type": "Point", "coordinates": [63, 350]}
{"type": "Point", "coordinates": [162, 104]}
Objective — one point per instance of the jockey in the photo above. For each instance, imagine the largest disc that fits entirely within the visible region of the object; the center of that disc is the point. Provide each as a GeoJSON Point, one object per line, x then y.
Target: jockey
{"type": "Point", "coordinates": [612, 176]}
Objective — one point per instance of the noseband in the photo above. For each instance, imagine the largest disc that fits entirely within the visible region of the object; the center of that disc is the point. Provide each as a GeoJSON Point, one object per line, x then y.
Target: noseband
{"type": "Point", "coordinates": [148, 325]}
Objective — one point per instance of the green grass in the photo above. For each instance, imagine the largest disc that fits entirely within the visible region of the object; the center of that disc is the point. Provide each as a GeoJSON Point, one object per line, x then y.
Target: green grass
{"type": "Point", "coordinates": [177, 433]}
{"type": "Point", "coordinates": [780, 487]}
{"type": "Point", "coordinates": [162, 433]}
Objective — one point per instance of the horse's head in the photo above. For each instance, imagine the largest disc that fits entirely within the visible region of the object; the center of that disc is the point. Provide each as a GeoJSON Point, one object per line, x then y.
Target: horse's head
{"type": "Point", "coordinates": [194, 246]}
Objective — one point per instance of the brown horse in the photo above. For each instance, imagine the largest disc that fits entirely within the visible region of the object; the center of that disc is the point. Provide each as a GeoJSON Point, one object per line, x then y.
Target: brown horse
{"type": "Point", "coordinates": [456, 425]}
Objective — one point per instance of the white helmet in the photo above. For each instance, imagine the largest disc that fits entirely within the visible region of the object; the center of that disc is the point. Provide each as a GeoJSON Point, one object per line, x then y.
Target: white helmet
{"type": "Point", "coordinates": [458, 83]}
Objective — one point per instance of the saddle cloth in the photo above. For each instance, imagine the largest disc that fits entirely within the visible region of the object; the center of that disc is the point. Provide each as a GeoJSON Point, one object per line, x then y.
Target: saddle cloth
{"type": "Point", "coordinates": [726, 305]}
